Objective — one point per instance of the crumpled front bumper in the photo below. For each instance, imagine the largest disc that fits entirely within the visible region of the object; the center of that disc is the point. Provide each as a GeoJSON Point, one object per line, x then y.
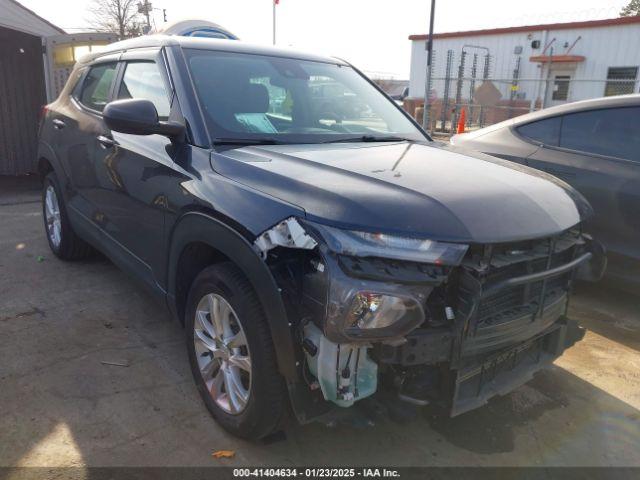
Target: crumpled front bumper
{"type": "Point", "coordinates": [498, 374]}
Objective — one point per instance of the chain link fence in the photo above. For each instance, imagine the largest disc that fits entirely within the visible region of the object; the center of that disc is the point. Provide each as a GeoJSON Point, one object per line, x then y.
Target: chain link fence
{"type": "Point", "coordinates": [466, 90]}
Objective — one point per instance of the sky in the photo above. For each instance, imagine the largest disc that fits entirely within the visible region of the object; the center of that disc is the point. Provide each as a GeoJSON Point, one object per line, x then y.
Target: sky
{"type": "Point", "coordinates": [372, 34]}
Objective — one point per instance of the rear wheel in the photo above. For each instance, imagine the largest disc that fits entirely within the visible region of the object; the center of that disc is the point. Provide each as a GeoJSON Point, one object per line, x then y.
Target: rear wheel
{"type": "Point", "coordinates": [63, 241]}
{"type": "Point", "coordinates": [231, 353]}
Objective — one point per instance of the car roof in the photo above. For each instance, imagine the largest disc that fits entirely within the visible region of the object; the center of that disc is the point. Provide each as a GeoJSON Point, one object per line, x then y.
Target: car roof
{"type": "Point", "coordinates": [593, 104]}
{"type": "Point", "coordinates": [224, 45]}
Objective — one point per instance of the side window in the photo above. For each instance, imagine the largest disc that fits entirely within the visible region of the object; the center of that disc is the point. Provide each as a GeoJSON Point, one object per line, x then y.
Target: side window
{"type": "Point", "coordinates": [613, 132]}
{"type": "Point", "coordinates": [143, 80]}
{"type": "Point", "coordinates": [96, 86]}
{"type": "Point", "coordinates": [545, 131]}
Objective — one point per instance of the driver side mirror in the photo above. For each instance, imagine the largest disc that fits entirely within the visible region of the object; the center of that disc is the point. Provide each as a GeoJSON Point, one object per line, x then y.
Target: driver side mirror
{"type": "Point", "coordinates": [139, 117]}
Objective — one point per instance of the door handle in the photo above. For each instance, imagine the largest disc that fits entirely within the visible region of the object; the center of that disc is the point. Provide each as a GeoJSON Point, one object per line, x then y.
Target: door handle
{"type": "Point", "coordinates": [106, 142]}
{"type": "Point", "coordinates": [58, 124]}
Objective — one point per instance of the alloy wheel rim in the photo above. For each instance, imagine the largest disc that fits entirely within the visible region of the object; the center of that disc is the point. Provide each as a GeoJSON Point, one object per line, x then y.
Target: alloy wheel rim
{"type": "Point", "coordinates": [52, 216]}
{"type": "Point", "coordinates": [222, 353]}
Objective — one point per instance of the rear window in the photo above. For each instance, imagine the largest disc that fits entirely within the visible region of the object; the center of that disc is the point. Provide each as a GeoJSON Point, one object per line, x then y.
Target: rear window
{"type": "Point", "coordinates": [97, 85]}
{"type": "Point", "coordinates": [545, 131]}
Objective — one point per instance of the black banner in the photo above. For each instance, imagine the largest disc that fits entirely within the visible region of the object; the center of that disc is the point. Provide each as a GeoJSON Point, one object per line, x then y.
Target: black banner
{"type": "Point", "coordinates": [404, 473]}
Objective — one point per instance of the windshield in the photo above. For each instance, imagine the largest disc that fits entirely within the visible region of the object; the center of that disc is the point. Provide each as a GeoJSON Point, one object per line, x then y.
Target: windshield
{"type": "Point", "coordinates": [257, 98]}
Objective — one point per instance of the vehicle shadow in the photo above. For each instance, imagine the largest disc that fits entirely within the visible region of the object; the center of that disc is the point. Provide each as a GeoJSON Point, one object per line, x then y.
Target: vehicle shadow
{"type": "Point", "coordinates": [548, 421]}
{"type": "Point", "coordinates": [608, 311]}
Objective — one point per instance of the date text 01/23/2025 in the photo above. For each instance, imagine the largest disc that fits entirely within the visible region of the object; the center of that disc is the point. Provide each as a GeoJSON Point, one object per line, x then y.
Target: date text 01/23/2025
{"type": "Point", "coordinates": [316, 472]}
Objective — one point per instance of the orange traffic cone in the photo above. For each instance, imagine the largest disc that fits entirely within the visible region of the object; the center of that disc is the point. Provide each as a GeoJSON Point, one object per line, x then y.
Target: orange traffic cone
{"type": "Point", "coordinates": [462, 121]}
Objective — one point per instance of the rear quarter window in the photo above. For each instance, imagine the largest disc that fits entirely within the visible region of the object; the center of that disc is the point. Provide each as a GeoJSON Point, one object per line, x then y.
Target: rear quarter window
{"type": "Point", "coordinates": [545, 131]}
{"type": "Point", "coordinates": [75, 83]}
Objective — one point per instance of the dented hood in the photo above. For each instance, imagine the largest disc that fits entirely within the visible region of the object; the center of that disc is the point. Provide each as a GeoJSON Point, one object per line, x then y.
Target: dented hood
{"type": "Point", "coordinates": [432, 191]}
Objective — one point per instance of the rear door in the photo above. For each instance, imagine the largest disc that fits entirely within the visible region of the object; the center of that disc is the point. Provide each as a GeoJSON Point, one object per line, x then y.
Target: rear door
{"type": "Point", "coordinates": [134, 173]}
{"type": "Point", "coordinates": [77, 122]}
{"type": "Point", "coordinates": [598, 153]}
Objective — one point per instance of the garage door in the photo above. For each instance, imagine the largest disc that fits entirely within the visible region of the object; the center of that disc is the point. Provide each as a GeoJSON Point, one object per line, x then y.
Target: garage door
{"type": "Point", "coordinates": [22, 94]}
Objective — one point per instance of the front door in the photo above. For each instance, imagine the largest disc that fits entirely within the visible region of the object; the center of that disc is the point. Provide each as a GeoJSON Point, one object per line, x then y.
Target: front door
{"type": "Point", "coordinates": [559, 90]}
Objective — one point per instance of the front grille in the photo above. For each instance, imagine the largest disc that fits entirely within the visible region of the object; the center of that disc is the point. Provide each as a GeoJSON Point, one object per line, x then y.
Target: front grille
{"type": "Point", "coordinates": [496, 319]}
{"type": "Point", "coordinates": [522, 295]}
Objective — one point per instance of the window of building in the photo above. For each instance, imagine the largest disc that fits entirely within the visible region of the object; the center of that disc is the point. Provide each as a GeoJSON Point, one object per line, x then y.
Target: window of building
{"type": "Point", "coordinates": [545, 131]}
{"type": "Point", "coordinates": [620, 81]}
{"type": "Point", "coordinates": [97, 85]}
{"type": "Point", "coordinates": [143, 80]}
{"type": "Point", "coordinates": [611, 132]}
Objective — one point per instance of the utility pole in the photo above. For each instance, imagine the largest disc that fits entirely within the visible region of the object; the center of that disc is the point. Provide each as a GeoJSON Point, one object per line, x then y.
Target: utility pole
{"type": "Point", "coordinates": [426, 118]}
{"type": "Point", "coordinates": [146, 8]}
{"type": "Point", "coordinates": [275, 4]}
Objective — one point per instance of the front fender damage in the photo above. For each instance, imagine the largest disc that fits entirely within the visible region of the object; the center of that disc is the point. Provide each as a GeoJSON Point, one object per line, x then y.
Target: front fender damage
{"type": "Point", "coordinates": [288, 233]}
{"type": "Point", "coordinates": [338, 366]}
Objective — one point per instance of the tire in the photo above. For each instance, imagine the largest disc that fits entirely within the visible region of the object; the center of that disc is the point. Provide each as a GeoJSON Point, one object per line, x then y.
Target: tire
{"type": "Point", "coordinates": [260, 394]}
{"type": "Point", "coordinates": [65, 244]}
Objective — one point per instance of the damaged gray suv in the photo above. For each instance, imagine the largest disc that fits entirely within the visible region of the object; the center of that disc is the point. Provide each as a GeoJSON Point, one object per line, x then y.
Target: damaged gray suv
{"type": "Point", "coordinates": [317, 256]}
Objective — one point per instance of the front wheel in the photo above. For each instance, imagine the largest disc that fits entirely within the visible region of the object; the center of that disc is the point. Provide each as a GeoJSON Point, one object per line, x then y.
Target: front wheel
{"type": "Point", "coordinates": [231, 353]}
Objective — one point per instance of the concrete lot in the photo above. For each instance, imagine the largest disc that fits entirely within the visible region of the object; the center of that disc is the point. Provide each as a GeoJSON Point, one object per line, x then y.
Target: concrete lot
{"type": "Point", "coordinates": [61, 406]}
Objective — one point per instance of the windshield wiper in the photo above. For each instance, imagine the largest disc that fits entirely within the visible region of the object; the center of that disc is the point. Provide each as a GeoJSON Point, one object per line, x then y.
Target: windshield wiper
{"type": "Point", "coordinates": [248, 141]}
{"type": "Point", "coordinates": [273, 141]}
{"type": "Point", "coordinates": [370, 138]}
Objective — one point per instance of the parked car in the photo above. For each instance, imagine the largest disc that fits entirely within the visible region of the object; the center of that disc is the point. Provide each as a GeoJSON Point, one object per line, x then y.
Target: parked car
{"type": "Point", "coordinates": [402, 95]}
{"type": "Point", "coordinates": [594, 146]}
{"type": "Point", "coordinates": [334, 102]}
{"type": "Point", "coordinates": [310, 263]}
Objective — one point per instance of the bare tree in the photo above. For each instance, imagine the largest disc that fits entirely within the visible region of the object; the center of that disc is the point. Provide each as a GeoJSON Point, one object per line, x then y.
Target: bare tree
{"type": "Point", "coordinates": [117, 16]}
{"type": "Point", "coordinates": [632, 9]}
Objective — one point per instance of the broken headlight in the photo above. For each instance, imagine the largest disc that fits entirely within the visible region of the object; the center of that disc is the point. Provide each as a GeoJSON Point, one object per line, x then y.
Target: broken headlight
{"type": "Point", "coordinates": [375, 310]}
{"type": "Point", "coordinates": [365, 309]}
{"type": "Point", "coordinates": [365, 244]}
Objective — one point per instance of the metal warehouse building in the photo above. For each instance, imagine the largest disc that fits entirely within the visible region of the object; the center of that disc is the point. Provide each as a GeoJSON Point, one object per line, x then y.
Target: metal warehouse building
{"type": "Point", "coordinates": [508, 71]}
{"type": "Point", "coordinates": [36, 58]}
